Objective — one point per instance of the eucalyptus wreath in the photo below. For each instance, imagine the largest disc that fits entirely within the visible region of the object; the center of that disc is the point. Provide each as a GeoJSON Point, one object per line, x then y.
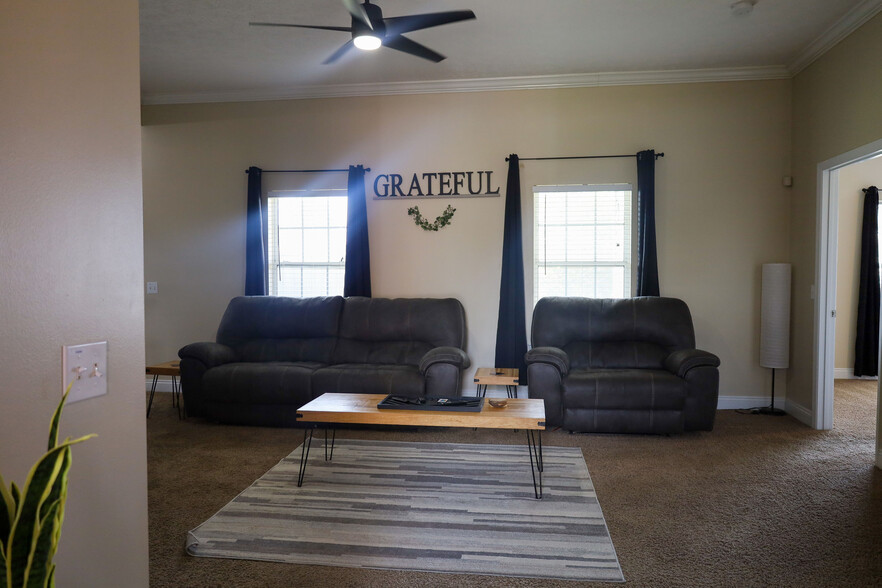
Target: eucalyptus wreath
{"type": "Point", "coordinates": [442, 221]}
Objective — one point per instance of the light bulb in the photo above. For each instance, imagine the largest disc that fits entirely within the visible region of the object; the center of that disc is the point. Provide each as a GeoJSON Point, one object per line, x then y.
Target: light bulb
{"type": "Point", "coordinates": [367, 42]}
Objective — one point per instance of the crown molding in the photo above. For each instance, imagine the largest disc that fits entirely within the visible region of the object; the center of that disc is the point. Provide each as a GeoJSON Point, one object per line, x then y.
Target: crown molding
{"type": "Point", "coordinates": [846, 25]}
{"type": "Point", "coordinates": [682, 76]}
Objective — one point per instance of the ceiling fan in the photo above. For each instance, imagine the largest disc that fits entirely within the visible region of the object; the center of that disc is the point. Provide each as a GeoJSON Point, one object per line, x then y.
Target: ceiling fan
{"type": "Point", "coordinates": [371, 31]}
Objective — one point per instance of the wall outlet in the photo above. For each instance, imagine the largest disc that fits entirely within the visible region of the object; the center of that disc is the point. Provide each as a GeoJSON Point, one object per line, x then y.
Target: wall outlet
{"type": "Point", "coordinates": [152, 288]}
{"type": "Point", "coordinates": [86, 366]}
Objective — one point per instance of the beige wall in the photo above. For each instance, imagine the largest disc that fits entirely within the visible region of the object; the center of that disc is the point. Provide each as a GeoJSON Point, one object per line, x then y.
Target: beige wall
{"type": "Point", "coordinates": [835, 109]}
{"type": "Point", "coordinates": [851, 210]}
{"type": "Point", "coordinates": [71, 267]}
{"type": "Point", "coordinates": [722, 210]}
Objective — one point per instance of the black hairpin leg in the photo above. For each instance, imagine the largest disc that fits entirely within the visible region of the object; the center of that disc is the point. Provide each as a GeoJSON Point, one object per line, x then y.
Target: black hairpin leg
{"type": "Point", "coordinates": [152, 392]}
{"type": "Point", "coordinates": [178, 397]}
{"type": "Point", "coordinates": [307, 443]}
{"type": "Point", "coordinates": [482, 390]}
{"type": "Point", "coordinates": [330, 456]}
{"type": "Point", "coordinates": [512, 391]}
{"type": "Point", "coordinates": [304, 454]}
{"type": "Point", "coordinates": [534, 444]}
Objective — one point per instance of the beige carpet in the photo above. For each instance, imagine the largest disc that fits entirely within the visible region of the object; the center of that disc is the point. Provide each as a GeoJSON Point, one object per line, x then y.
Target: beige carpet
{"type": "Point", "coordinates": [760, 501]}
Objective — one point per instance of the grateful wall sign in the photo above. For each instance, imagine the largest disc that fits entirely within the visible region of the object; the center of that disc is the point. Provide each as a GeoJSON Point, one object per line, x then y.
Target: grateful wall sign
{"type": "Point", "coordinates": [460, 184]}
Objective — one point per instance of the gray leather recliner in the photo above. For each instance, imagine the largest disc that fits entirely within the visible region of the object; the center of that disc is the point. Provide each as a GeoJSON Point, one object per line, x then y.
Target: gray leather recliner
{"type": "Point", "coordinates": [621, 366]}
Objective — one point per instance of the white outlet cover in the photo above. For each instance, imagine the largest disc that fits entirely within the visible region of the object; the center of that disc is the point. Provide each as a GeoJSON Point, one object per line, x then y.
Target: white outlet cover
{"type": "Point", "coordinates": [86, 366]}
{"type": "Point", "coordinates": [152, 288]}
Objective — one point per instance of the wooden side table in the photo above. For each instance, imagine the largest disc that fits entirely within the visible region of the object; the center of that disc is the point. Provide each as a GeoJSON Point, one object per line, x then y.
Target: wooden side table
{"type": "Point", "coordinates": [168, 368]}
{"type": "Point", "coordinates": [507, 377]}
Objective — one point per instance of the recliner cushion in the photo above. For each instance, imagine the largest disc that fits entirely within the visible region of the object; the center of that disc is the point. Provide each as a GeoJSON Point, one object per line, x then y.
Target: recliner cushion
{"type": "Point", "coordinates": [624, 401]}
{"type": "Point", "coordinates": [397, 331]}
{"type": "Point", "coordinates": [277, 328]}
{"type": "Point", "coordinates": [624, 389]}
{"type": "Point", "coordinates": [260, 383]}
{"type": "Point", "coordinates": [363, 378]}
{"type": "Point", "coordinates": [616, 355]}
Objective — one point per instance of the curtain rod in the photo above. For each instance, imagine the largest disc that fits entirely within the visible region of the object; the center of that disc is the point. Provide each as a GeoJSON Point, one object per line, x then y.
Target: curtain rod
{"type": "Point", "coordinates": [657, 155]}
{"type": "Point", "coordinates": [865, 190]}
{"type": "Point", "coordinates": [305, 171]}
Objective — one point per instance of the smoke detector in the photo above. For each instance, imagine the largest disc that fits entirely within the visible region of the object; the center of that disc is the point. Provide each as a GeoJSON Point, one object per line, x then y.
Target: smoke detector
{"type": "Point", "coordinates": [742, 7]}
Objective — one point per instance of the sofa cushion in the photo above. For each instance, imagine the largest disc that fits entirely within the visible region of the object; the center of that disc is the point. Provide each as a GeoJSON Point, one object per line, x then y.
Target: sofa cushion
{"type": "Point", "coordinates": [270, 328]}
{"type": "Point", "coordinates": [260, 383]}
{"type": "Point", "coordinates": [368, 379]}
{"type": "Point", "coordinates": [397, 331]}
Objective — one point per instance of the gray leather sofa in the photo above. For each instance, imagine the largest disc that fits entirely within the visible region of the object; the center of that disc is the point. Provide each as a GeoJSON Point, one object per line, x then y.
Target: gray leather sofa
{"type": "Point", "coordinates": [275, 354]}
{"type": "Point", "coordinates": [621, 366]}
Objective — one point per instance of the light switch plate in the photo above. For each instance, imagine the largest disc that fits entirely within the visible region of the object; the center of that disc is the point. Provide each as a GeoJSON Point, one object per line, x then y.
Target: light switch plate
{"type": "Point", "coordinates": [86, 366]}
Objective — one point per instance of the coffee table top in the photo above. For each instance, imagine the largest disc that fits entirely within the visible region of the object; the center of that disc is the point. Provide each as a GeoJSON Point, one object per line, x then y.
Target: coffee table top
{"type": "Point", "coordinates": [519, 413]}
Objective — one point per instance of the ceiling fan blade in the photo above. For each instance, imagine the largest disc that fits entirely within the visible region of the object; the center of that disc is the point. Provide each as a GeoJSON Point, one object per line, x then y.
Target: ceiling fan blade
{"type": "Point", "coordinates": [405, 45]}
{"type": "Point", "coordinates": [413, 22]}
{"type": "Point", "coordinates": [279, 24]}
{"type": "Point", "coordinates": [358, 12]}
{"type": "Point", "coordinates": [339, 52]}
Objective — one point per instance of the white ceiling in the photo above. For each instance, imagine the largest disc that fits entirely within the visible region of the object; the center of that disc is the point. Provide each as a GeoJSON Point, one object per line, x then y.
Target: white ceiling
{"type": "Point", "coordinates": [205, 51]}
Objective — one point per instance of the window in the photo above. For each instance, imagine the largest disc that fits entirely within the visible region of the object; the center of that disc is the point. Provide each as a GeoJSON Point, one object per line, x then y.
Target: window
{"type": "Point", "coordinates": [582, 241]}
{"type": "Point", "coordinates": [307, 243]}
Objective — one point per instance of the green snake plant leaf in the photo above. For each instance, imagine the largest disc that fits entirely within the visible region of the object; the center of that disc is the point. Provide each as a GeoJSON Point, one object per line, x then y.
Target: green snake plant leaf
{"type": "Point", "coordinates": [34, 499]}
{"type": "Point", "coordinates": [37, 574]}
{"type": "Point", "coordinates": [56, 418]}
{"type": "Point", "coordinates": [7, 513]}
{"type": "Point", "coordinates": [4, 570]}
{"type": "Point", "coordinates": [16, 495]}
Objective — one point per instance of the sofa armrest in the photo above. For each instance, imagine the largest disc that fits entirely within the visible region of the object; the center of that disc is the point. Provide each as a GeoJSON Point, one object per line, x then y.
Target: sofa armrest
{"type": "Point", "coordinates": [208, 353]}
{"type": "Point", "coordinates": [681, 361]}
{"type": "Point", "coordinates": [451, 355]}
{"type": "Point", "coordinates": [550, 355]}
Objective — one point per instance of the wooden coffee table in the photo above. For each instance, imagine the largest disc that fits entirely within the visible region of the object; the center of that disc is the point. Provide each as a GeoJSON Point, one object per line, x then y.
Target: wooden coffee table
{"type": "Point", "coordinates": [332, 409]}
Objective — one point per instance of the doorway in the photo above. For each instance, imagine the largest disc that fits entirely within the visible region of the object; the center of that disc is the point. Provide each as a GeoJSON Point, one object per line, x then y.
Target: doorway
{"type": "Point", "coordinates": [825, 298]}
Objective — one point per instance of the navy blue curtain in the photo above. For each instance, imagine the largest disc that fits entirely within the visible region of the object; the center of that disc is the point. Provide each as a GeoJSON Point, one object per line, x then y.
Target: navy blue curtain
{"type": "Point", "coordinates": [357, 280]}
{"type": "Point", "coordinates": [647, 255]}
{"type": "Point", "coordinates": [866, 345]}
{"type": "Point", "coordinates": [255, 238]}
{"type": "Point", "coordinates": [511, 327]}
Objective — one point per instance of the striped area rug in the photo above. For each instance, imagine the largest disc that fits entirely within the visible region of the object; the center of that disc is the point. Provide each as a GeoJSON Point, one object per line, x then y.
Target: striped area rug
{"type": "Point", "coordinates": [435, 507]}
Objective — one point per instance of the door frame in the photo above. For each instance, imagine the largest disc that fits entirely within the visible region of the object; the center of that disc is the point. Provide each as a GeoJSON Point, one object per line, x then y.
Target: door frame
{"type": "Point", "coordinates": [827, 233]}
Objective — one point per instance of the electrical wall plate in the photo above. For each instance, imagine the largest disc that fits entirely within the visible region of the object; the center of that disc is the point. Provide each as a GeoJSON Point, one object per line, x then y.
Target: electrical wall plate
{"type": "Point", "coordinates": [86, 366]}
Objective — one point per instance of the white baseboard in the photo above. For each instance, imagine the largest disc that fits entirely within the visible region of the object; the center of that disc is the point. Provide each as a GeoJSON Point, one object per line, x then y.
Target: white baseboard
{"type": "Point", "coordinates": [794, 409]}
{"type": "Point", "coordinates": [736, 402]}
{"type": "Point", "coordinates": [848, 374]}
{"type": "Point", "coordinates": [163, 384]}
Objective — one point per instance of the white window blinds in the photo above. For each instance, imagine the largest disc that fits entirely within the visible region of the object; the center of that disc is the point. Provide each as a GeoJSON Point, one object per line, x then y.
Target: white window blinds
{"type": "Point", "coordinates": [582, 241]}
{"type": "Point", "coordinates": [307, 242]}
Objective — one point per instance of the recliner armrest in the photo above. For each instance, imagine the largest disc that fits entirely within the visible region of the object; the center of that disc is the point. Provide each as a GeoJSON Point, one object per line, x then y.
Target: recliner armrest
{"type": "Point", "coordinates": [681, 361]}
{"type": "Point", "coordinates": [209, 353]}
{"type": "Point", "coordinates": [550, 355]}
{"type": "Point", "coordinates": [451, 355]}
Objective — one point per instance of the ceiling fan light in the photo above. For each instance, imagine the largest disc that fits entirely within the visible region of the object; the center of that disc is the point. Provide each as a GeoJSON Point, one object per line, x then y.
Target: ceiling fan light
{"type": "Point", "coordinates": [367, 42]}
